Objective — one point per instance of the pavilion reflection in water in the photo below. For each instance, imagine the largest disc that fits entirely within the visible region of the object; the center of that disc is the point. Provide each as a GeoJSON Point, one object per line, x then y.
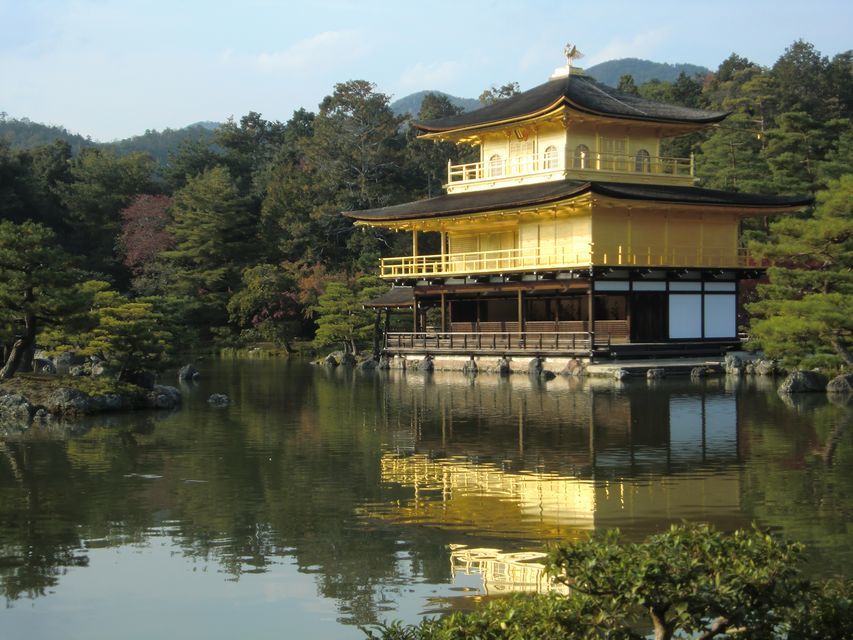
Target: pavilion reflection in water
{"type": "Point", "coordinates": [508, 460]}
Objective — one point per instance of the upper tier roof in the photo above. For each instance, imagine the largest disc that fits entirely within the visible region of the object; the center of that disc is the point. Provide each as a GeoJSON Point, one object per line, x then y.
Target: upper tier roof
{"type": "Point", "coordinates": [579, 93]}
{"type": "Point", "coordinates": [551, 192]}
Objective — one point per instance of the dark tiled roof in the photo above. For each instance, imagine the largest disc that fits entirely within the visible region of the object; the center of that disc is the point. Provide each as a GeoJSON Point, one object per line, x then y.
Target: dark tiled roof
{"type": "Point", "coordinates": [394, 297]}
{"type": "Point", "coordinates": [581, 93]}
{"type": "Point", "coordinates": [548, 192]}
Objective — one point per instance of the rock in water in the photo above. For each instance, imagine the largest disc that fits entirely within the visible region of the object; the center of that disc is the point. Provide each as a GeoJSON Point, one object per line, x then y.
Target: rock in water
{"type": "Point", "coordinates": [803, 382]}
{"type": "Point", "coordinates": [534, 367]}
{"type": "Point", "coordinates": [163, 397]}
{"type": "Point", "coordinates": [841, 384]}
{"type": "Point", "coordinates": [503, 367]}
{"type": "Point", "coordinates": [218, 400]}
{"type": "Point", "coordinates": [188, 372]}
{"type": "Point", "coordinates": [348, 360]}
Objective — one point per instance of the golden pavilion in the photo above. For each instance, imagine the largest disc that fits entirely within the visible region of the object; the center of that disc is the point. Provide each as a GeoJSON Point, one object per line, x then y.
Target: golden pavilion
{"type": "Point", "coordinates": [572, 235]}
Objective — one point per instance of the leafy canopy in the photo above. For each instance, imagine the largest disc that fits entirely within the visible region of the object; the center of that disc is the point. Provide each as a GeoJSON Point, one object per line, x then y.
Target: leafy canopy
{"type": "Point", "coordinates": [690, 581]}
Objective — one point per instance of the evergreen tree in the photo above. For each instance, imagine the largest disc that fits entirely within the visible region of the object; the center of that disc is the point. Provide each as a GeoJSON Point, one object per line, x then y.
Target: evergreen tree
{"type": "Point", "coordinates": [103, 184]}
{"type": "Point", "coordinates": [214, 236]}
{"type": "Point", "coordinates": [341, 316]}
{"type": "Point", "coordinates": [805, 314]}
{"type": "Point", "coordinates": [355, 158]}
{"type": "Point", "coordinates": [627, 85]}
{"type": "Point", "coordinates": [36, 287]}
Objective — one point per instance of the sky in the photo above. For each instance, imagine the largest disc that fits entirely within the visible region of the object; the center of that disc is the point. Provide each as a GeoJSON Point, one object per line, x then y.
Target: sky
{"type": "Point", "coordinates": [111, 69]}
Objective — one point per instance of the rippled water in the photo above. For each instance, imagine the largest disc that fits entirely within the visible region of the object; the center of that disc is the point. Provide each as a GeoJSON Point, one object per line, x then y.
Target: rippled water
{"type": "Point", "coordinates": [320, 500]}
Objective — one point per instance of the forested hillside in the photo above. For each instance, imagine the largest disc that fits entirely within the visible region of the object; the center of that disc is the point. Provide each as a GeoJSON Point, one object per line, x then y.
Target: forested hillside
{"type": "Point", "coordinates": [643, 71]}
{"type": "Point", "coordinates": [411, 104]}
{"type": "Point", "coordinates": [25, 134]}
{"type": "Point", "coordinates": [238, 236]}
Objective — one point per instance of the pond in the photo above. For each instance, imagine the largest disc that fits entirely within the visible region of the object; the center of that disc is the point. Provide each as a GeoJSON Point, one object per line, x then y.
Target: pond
{"type": "Point", "coordinates": [321, 500]}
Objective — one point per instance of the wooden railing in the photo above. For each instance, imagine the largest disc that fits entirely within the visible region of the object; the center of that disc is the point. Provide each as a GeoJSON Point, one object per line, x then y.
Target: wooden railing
{"type": "Point", "coordinates": [534, 164]}
{"type": "Point", "coordinates": [538, 259]}
{"type": "Point", "coordinates": [496, 342]}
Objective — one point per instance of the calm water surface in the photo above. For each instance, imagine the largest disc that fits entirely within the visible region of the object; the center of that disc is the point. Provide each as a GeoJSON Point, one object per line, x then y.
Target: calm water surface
{"type": "Point", "coordinates": [321, 500]}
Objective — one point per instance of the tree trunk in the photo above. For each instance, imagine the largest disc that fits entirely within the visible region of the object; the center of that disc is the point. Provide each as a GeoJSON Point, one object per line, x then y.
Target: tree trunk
{"type": "Point", "coordinates": [15, 357]}
{"type": "Point", "coordinates": [663, 631]}
{"type": "Point", "coordinates": [24, 342]}
{"type": "Point", "coordinates": [841, 350]}
{"type": "Point", "coordinates": [377, 331]}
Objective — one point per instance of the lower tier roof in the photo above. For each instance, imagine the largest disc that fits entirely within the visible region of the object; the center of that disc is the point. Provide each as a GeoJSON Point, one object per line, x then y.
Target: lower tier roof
{"type": "Point", "coordinates": [555, 191]}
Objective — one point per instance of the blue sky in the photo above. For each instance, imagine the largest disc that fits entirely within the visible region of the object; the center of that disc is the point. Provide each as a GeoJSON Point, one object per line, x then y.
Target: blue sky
{"type": "Point", "coordinates": [114, 68]}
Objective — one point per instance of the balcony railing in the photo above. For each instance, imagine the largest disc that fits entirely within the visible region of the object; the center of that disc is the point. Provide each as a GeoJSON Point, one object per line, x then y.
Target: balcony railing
{"type": "Point", "coordinates": [489, 342]}
{"type": "Point", "coordinates": [531, 165]}
{"type": "Point", "coordinates": [550, 259]}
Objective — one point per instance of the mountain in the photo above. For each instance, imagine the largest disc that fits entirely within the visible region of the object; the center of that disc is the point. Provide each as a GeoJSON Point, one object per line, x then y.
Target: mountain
{"type": "Point", "coordinates": [411, 104]}
{"type": "Point", "coordinates": [24, 134]}
{"type": "Point", "coordinates": [160, 143]}
{"type": "Point", "coordinates": [642, 70]}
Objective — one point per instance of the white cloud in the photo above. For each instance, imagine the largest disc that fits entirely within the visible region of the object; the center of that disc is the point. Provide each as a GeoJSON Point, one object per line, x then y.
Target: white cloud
{"type": "Point", "coordinates": [430, 75]}
{"type": "Point", "coordinates": [643, 45]}
{"type": "Point", "coordinates": [324, 50]}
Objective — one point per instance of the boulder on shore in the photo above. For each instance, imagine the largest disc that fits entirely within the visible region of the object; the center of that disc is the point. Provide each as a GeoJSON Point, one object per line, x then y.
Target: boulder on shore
{"type": "Point", "coordinates": [330, 361]}
{"type": "Point", "coordinates": [65, 401]}
{"type": "Point", "coordinates": [803, 382]}
{"type": "Point", "coordinates": [368, 364]}
{"type": "Point", "coordinates": [470, 367]}
{"type": "Point", "coordinates": [15, 408]}
{"type": "Point", "coordinates": [348, 360]}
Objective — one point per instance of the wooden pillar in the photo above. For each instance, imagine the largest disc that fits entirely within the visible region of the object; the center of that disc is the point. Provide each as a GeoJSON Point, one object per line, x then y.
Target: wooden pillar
{"type": "Point", "coordinates": [443, 315]}
{"type": "Point", "coordinates": [415, 316]}
{"type": "Point", "coordinates": [414, 242]}
{"type": "Point", "coordinates": [591, 314]}
{"type": "Point", "coordinates": [520, 313]}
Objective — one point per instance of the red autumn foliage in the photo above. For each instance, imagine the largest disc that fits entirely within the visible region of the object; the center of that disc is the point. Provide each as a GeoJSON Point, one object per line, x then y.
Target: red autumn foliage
{"type": "Point", "coordinates": [143, 230]}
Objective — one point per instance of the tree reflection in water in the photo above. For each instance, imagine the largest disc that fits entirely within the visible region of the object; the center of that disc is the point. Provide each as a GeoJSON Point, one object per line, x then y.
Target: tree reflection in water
{"type": "Point", "coordinates": [364, 480]}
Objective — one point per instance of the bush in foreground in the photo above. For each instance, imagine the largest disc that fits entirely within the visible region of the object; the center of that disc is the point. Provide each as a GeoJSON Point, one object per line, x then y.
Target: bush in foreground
{"type": "Point", "coordinates": [690, 581]}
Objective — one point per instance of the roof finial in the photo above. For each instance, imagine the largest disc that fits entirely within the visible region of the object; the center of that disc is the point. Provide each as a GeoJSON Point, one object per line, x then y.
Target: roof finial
{"type": "Point", "coordinates": [571, 52]}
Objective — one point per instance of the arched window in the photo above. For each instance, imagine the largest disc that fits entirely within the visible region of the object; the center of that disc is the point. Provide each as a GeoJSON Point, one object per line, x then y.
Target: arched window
{"type": "Point", "coordinates": [643, 162]}
{"type": "Point", "coordinates": [550, 160]}
{"type": "Point", "coordinates": [581, 157]}
{"type": "Point", "coordinates": [496, 166]}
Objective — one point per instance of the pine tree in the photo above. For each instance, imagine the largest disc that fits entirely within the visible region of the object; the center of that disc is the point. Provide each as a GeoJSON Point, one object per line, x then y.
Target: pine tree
{"type": "Point", "coordinates": [36, 286]}
{"type": "Point", "coordinates": [213, 233]}
{"type": "Point", "coordinates": [805, 314]}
